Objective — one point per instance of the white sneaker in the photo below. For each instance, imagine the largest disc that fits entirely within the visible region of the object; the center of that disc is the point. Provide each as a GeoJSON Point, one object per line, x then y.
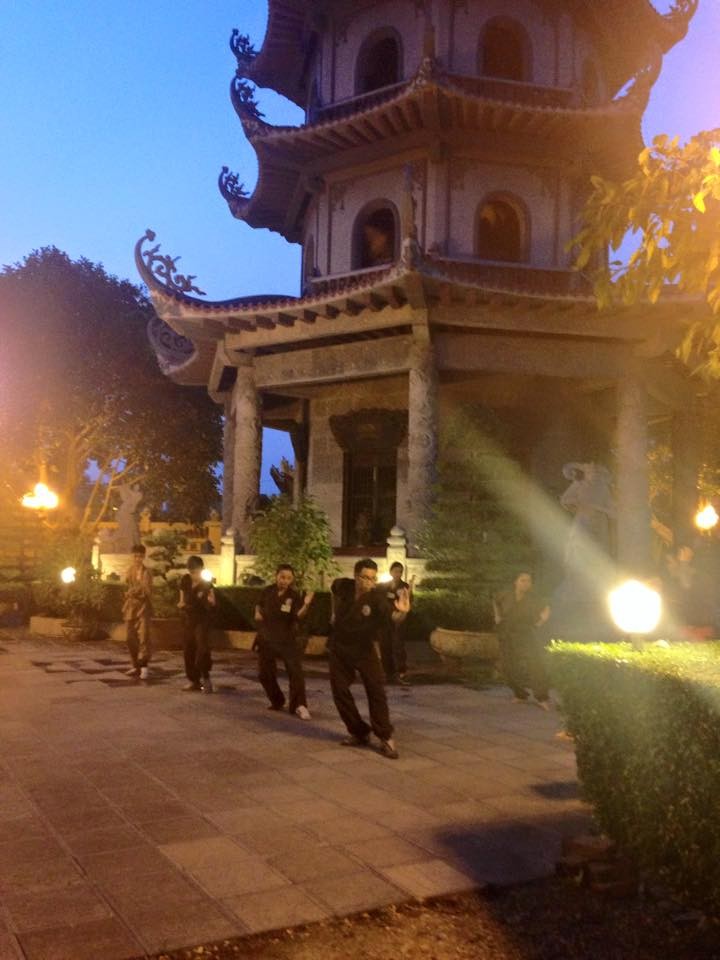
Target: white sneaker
{"type": "Point", "coordinates": [207, 686]}
{"type": "Point", "coordinates": [303, 712]}
{"type": "Point", "coordinates": [144, 673]}
{"type": "Point", "coordinates": [131, 672]}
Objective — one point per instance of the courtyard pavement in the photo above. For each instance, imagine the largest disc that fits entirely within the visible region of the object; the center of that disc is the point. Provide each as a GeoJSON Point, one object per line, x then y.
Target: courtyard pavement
{"type": "Point", "coordinates": [136, 818]}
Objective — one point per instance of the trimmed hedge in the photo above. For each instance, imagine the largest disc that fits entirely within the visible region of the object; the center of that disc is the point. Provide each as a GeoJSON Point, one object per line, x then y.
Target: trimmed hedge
{"type": "Point", "coordinates": [646, 727]}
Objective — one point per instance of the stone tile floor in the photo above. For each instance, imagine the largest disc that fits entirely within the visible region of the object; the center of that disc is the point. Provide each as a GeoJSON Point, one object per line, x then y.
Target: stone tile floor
{"type": "Point", "coordinates": [136, 818]}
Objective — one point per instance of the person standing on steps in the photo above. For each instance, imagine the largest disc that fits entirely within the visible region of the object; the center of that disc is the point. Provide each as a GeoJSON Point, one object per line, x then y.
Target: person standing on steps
{"type": "Point", "coordinates": [278, 614]}
{"type": "Point", "coordinates": [359, 612]}
{"type": "Point", "coordinates": [137, 612]}
{"type": "Point", "coordinates": [197, 601]}
{"type": "Point", "coordinates": [519, 615]}
{"type": "Point", "coordinates": [392, 639]}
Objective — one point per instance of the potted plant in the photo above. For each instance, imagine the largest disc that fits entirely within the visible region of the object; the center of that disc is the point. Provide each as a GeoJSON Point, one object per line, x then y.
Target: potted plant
{"type": "Point", "coordinates": [473, 541]}
{"type": "Point", "coordinates": [164, 558]}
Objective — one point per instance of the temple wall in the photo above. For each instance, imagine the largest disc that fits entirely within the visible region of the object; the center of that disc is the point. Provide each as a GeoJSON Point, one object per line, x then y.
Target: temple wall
{"type": "Point", "coordinates": [325, 461]}
{"type": "Point", "coordinates": [472, 180]}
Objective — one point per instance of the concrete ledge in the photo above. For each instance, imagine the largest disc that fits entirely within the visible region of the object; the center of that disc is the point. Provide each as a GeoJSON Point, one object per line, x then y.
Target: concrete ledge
{"type": "Point", "coordinates": [48, 626]}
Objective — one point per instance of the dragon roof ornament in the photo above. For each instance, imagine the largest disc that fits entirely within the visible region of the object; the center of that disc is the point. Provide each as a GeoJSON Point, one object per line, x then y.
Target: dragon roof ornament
{"type": "Point", "coordinates": [159, 270]}
{"type": "Point", "coordinates": [173, 351]}
{"type": "Point", "coordinates": [233, 192]}
{"type": "Point", "coordinates": [243, 51]}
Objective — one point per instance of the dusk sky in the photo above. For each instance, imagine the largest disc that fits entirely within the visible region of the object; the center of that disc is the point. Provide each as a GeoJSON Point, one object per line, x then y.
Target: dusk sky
{"type": "Point", "coordinates": [117, 117]}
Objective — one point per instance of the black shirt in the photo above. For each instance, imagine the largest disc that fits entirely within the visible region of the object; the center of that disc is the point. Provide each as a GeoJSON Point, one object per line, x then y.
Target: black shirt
{"type": "Point", "coordinates": [195, 597]}
{"type": "Point", "coordinates": [358, 619]}
{"type": "Point", "coordinates": [279, 611]}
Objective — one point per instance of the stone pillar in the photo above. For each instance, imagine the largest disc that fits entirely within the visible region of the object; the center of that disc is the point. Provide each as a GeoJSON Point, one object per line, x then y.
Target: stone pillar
{"type": "Point", "coordinates": [422, 433]}
{"type": "Point", "coordinates": [228, 461]}
{"type": "Point", "coordinates": [247, 447]}
{"type": "Point", "coordinates": [633, 509]}
{"type": "Point", "coordinates": [396, 548]}
{"type": "Point", "coordinates": [227, 559]}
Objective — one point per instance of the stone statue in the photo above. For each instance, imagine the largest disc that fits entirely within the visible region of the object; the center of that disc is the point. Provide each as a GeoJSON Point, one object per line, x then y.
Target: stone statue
{"type": "Point", "coordinates": [128, 531]}
{"type": "Point", "coordinates": [589, 498]}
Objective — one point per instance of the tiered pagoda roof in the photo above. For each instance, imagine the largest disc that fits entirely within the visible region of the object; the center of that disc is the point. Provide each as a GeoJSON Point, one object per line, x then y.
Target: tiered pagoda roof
{"type": "Point", "coordinates": [416, 111]}
{"type": "Point", "coordinates": [628, 31]}
{"type": "Point", "coordinates": [369, 303]}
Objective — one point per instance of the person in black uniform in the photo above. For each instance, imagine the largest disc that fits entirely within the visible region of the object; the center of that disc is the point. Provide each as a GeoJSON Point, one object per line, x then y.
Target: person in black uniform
{"type": "Point", "coordinates": [197, 600]}
{"type": "Point", "coordinates": [277, 614]}
{"type": "Point", "coordinates": [519, 615]}
{"type": "Point", "coordinates": [360, 613]}
{"type": "Point", "coordinates": [392, 641]}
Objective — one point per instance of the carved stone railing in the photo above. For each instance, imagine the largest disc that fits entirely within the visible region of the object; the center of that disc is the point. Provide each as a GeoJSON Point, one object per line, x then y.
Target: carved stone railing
{"type": "Point", "coordinates": [513, 276]}
{"type": "Point", "coordinates": [514, 91]}
{"type": "Point", "coordinates": [356, 104]}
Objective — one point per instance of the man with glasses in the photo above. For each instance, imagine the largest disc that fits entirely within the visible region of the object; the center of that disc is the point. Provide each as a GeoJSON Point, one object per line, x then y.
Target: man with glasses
{"type": "Point", "coordinates": [359, 613]}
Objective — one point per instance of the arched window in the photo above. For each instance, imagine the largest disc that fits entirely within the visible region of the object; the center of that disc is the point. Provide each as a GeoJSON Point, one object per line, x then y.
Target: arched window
{"type": "Point", "coordinates": [505, 50]}
{"type": "Point", "coordinates": [501, 231]}
{"type": "Point", "coordinates": [375, 237]}
{"type": "Point", "coordinates": [379, 62]}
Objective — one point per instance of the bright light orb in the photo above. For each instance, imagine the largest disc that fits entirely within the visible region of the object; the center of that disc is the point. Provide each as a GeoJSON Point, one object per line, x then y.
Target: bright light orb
{"type": "Point", "coordinates": [42, 498]}
{"type": "Point", "coordinates": [68, 575]}
{"type": "Point", "coordinates": [384, 578]}
{"type": "Point", "coordinates": [706, 518]}
{"type": "Point", "coordinates": [635, 608]}
{"type": "Point", "coordinates": [206, 576]}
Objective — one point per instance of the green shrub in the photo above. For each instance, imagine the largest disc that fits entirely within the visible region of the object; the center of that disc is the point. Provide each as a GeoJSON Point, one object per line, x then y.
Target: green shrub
{"type": "Point", "coordinates": [295, 534]}
{"type": "Point", "coordinates": [646, 727]}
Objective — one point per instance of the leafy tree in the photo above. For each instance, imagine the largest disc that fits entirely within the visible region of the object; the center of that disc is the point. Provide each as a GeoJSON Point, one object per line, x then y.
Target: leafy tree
{"type": "Point", "coordinates": [671, 205]}
{"type": "Point", "coordinates": [81, 386]}
{"type": "Point", "coordinates": [474, 541]}
{"type": "Point", "coordinates": [298, 535]}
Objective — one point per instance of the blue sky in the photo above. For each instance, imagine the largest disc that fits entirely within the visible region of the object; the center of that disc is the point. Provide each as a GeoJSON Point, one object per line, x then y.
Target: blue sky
{"type": "Point", "coordinates": [117, 117]}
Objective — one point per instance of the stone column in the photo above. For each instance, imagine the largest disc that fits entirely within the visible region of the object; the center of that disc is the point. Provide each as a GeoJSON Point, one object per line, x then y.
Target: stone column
{"type": "Point", "coordinates": [228, 463]}
{"type": "Point", "coordinates": [422, 433]}
{"type": "Point", "coordinates": [247, 451]}
{"type": "Point", "coordinates": [633, 509]}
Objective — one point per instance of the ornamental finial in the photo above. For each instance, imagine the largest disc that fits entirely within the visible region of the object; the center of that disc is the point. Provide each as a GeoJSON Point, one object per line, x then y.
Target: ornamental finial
{"type": "Point", "coordinates": [680, 15]}
{"type": "Point", "coordinates": [158, 269]}
{"type": "Point", "coordinates": [232, 190]}
{"type": "Point", "coordinates": [243, 50]}
{"type": "Point", "coordinates": [243, 99]}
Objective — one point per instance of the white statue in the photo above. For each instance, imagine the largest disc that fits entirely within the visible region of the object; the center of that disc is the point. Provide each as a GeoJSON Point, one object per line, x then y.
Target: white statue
{"type": "Point", "coordinates": [589, 498]}
{"type": "Point", "coordinates": [128, 531]}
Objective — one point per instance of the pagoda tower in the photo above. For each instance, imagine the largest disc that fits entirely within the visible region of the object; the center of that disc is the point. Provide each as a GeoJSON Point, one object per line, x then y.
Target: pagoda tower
{"type": "Point", "coordinates": [434, 187]}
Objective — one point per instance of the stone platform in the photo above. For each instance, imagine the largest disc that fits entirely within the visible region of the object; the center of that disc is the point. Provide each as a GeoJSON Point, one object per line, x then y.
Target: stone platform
{"type": "Point", "coordinates": [136, 818]}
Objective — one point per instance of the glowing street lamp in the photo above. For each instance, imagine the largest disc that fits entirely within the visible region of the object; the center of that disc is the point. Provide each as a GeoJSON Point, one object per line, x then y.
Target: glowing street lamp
{"type": "Point", "coordinates": [41, 498]}
{"type": "Point", "coordinates": [706, 518]}
{"type": "Point", "coordinates": [635, 608]}
{"type": "Point", "coordinates": [68, 575]}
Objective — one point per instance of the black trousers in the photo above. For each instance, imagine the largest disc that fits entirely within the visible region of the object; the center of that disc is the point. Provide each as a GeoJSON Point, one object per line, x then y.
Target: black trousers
{"type": "Point", "coordinates": [522, 661]}
{"type": "Point", "coordinates": [196, 648]}
{"type": "Point", "coordinates": [392, 650]}
{"type": "Point", "coordinates": [291, 656]}
{"type": "Point", "coordinates": [344, 665]}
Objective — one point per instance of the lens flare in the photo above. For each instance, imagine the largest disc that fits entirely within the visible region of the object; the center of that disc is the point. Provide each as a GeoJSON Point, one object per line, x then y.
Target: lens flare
{"type": "Point", "coordinates": [68, 575]}
{"type": "Point", "coordinates": [635, 608]}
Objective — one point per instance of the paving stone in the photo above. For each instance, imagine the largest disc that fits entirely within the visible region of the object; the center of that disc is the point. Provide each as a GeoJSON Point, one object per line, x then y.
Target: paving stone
{"type": "Point", "coordinates": [386, 851]}
{"type": "Point", "coordinates": [38, 875]}
{"type": "Point", "coordinates": [178, 829]}
{"type": "Point", "coordinates": [9, 947]}
{"type": "Point", "coordinates": [350, 828]}
{"type": "Point", "coordinates": [357, 892]}
{"type": "Point", "coordinates": [139, 860]}
{"type": "Point", "coordinates": [277, 909]}
{"type": "Point", "coordinates": [317, 861]}
{"type": "Point", "coordinates": [205, 853]}
{"type": "Point", "coordinates": [429, 878]}
{"type": "Point", "coordinates": [108, 939]}
{"type": "Point", "coordinates": [230, 879]}
{"type": "Point", "coordinates": [170, 887]}
{"type": "Point", "coordinates": [102, 839]}
{"type": "Point", "coordinates": [312, 811]}
{"type": "Point", "coordinates": [65, 907]}
{"type": "Point", "coordinates": [163, 927]}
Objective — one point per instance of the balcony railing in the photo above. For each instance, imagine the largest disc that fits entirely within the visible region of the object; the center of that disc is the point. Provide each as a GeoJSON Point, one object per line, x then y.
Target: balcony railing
{"type": "Point", "coordinates": [514, 91]}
